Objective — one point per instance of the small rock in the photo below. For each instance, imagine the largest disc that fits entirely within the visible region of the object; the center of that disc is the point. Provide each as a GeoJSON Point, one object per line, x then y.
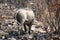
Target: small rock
{"type": "Point", "coordinates": [3, 37]}
{"type": "Point", "coordinates": [13, 39]}
{"type": "Point", "coordinates": [30, 36]}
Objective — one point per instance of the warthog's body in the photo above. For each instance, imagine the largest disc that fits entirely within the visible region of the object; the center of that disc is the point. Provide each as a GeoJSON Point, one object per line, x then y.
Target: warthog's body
{"type": "Point", "coordinates": [25, 17]}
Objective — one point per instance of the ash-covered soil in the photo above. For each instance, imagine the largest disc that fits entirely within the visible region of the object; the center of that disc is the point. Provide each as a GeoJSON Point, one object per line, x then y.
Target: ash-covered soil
{"type": "Point", "coordinates": [9, 29]}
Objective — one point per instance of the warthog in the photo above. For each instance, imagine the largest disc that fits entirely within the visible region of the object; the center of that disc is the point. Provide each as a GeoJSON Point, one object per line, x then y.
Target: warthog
{"type": "Point", "coordinates": [25, 17]}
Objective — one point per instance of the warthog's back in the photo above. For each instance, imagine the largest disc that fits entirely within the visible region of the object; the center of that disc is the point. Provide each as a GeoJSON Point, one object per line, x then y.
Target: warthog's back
{"type": "Point", "coordinates": [24, 14]}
